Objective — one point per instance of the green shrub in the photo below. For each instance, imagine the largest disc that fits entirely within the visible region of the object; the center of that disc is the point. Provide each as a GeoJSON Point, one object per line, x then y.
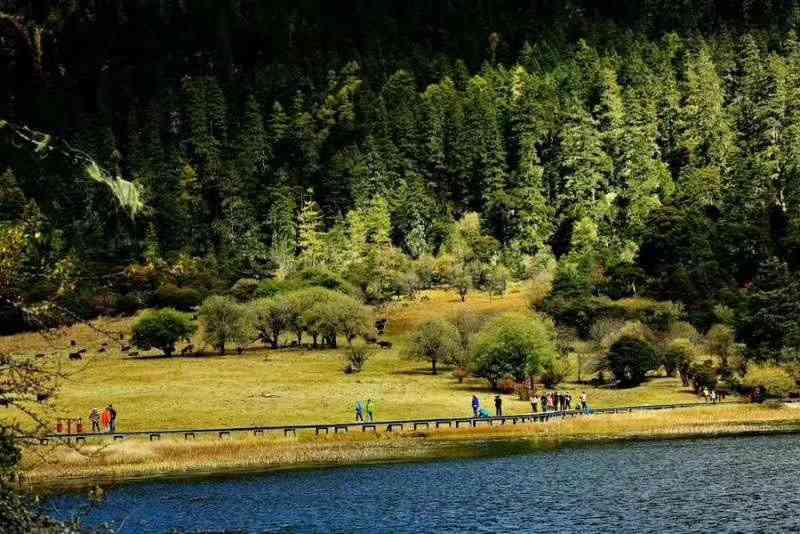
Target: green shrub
{"type": "Point", "coordinates": [513, 345]}
{"type": "Point", "coordinates": [435, 341]}
{"type": "Point", "coordinates": [269, 317]}
{"type": "Point", "coordinates": [630, 359]}
{"type": "Point", "coordinates": [555, 371]}
{"type": "Point", "coordinates": [127, 304]}
{"type": "Point", "coordinates": [180, 298]}
{"type": "Point", "coordinates": [162, 329]}
{"type": "Point", "coordinates": [244, 289]}
{"type": "Point", "coordinates": [703, 375]}
{"type": "Point", "coordinates": [357, 356]}
{"type": "Point", "coordinates": [679, 355]}
{"type": "Point", "coordinates": [319, 277]}
{"type": "Point", "coordinates": [272, 287]}
{"type": "Point", "coordinates": [224, 321]}
{"type": "Point", "coordinates": [777, 381]}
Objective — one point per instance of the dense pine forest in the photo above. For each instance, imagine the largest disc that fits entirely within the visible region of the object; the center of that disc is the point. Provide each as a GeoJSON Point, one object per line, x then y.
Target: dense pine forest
{"type": "Point", "coordinates": [649, 148]}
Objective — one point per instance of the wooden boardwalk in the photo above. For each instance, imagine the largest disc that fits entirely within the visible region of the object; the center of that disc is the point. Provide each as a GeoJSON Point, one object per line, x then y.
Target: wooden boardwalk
{"type": "Point", "coordinates": [369, 426]}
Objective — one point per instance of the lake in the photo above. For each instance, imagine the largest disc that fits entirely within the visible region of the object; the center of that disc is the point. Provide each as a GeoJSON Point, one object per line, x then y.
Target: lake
{"type": "Point", "coordinates": [745, 484]}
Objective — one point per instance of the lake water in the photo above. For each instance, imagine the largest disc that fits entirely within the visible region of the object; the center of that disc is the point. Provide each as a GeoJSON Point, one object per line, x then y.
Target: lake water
{"type": "Point", "coordinates": [747, 484]}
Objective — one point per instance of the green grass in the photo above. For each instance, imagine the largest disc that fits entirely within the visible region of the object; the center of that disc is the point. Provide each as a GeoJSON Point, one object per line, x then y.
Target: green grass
{"type": "Point", "coordinates": [289, 386]}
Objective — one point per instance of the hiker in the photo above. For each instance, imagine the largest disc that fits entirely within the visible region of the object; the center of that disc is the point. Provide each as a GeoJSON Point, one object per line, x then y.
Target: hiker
{"type": "Point", "coordinates": [359, 411]}
{"type": "Point", "coordinates": [370, 410]}
{"type": "Point", "coordinates": [584, 405]}
{"type": "Point", "coordinates": [94, 417]}
{"type": "Point", "coordinates": [483, 413]}
{"type": "Point", "coordinates": [498, 406]}
{"type": "Point", "coordinates": [534, 404]}
{"type": "Point", "coordinates": [568, 401]}
{"type": "Point", "coordinates": [713, 396]}
{"type": "Point", "coordinates": [544, 403]}
{"type": "Point", "coordinates": [112, 418]}
{"type": "Point", "coordinates": [106, 419]}
{"type": "Point", "coordinates": [476, 406]}
{"type": "Point", "coordinates": [705, 394]}
{"type": "Point", "coordinates": [551, 402]}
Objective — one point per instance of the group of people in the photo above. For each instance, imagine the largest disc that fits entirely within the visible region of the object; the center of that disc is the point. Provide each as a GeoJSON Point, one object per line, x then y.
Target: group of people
{"type": "Point", "coordinates": [365, 409]}
{"type": "Point", "coordinates": [549, 402]}
{"type": "Point", "coordinates": [712, 396]}
{"type": "Point", "coordinates": [107, 418]}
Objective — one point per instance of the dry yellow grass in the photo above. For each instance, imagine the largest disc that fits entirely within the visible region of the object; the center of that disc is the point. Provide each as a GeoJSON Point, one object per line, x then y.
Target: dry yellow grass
{"type": "Point", "coordinates": [288, 386]}
{"type": "Point", "coordinates": [139, 458]}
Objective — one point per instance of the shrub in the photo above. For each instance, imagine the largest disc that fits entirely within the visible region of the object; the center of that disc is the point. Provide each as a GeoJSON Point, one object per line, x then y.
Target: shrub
{"type": "Point", "coordinates": [180, 298]}
{"type": "Point", "coordinates": [298, 302]}
{"type": "Point", "coordinates": [269, 318]}
{"type": "Point", "coordinates": [461, 280]}
{"type": "Point", "coordinates": [224, 321]}
{"type": "Point", "coordinates": [424, 267]}
{"type": "Point", "coordinates": [244, 289]}
{"type": "Point", "coordinates": [435, 341]}
{"type": "Point", "coordinates": [272, 287]}
{"type": "Point", "coordinates": [555, 371]}
{"type": "Point", "coordinates": [679, 355]}
{"type": "Point", "coordinates": [357, 356]}
{"type": "Point", "coordinates": [336, 314]}
{"type": "Point", "coordinates": [774, 379]}
{"type": "Point", "coordinates": [322, 320]}
{"type": "Point", "coordinates": [703, 375]}
{"type": "Point", "coordinates": [319, 277]}
{"type": "Point", "coordinates": [539, 289]}
{"type": "Point", "coordinates": [630, 358]}
{"type": "Point", "coordinates": [497, 279]}
{"type": "Point", "coordinates": [162, 329]}
{"type": "Point", "coordinates": [513, 345]}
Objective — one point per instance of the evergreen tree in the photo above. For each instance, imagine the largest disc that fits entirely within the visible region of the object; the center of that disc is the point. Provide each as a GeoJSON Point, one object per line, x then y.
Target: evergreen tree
{"type": "Point", "coordinates": [309, 230]}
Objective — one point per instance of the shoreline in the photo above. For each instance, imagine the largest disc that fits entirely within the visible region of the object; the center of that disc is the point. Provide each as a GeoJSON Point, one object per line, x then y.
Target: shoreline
{"type": "Point", "coordinates": [140, 461]}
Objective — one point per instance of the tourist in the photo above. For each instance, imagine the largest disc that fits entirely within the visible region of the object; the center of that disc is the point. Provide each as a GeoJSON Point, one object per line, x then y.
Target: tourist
{"type": "Point", "coordinates": [106, 419]}
{"type": "Point", "coordinates": [112, 418]}
{"type": "Point", "coordinates": [568, 401]}
{"type": "Point", "coordinates": [713, 396]}
{"type": "Point", "coordinates": [359, 411]}
{"type": "Point", "coordinates": [498, 406]}
{"type": "Point", "coordinates": [483, 413]}
{"type": "Point", "coordinates": [370, 410]}
{"type": "Point", "coordinates": [94, 417]}
{"type": "Point", "coordinates": [534, 403]}
{"type": "Point", "coordinates": [584, 404]}
{"type": "Point", "coordinates": [476, 406]}
{"type": "Point", "coordinates": [705, 394]}
{"type": "Point", "coordinates": [544, 403]}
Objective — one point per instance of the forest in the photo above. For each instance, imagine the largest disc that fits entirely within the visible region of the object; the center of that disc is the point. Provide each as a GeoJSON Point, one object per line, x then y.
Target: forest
{"type": "Point", "coordinates": [650, 149]}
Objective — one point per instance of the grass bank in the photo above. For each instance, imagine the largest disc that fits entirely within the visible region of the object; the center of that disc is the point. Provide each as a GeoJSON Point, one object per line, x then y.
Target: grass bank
{"type": "Point", "coordinates": [138, 459]}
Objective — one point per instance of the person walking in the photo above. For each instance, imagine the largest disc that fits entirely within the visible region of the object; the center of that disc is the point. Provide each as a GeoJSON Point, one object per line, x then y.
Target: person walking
{"type": "Point", "coordinates": [359, 411]}
{"type": "Point", "coordinates": [112, 418]}
{"type": "Point", "coordinates": [370, 410]}
{"type": "Point", "coordinates": [705, 394]}
{"type": "Point", "coordinates": [498, 406]}
{"type": "Point", "coordinates": [94, 417]}
{"type": "Point", "coordinates": [584, 404]}
{"type": "Point", "coordinates": [534, 404]}
{"type": "Point", "coordinates": [713, 396]}
{"type": "Point", "coordinates": [106, 419]}
{"type": "Point", "coordinates": [476, 406]}
{"type": "Point", "coordinates": [551, 402]}
{"type": "Point", "coordinates": [544, 403]}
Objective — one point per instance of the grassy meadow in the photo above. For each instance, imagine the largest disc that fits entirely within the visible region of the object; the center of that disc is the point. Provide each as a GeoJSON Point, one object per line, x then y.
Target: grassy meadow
{"type": "Point", "coordinates": [291, 385]}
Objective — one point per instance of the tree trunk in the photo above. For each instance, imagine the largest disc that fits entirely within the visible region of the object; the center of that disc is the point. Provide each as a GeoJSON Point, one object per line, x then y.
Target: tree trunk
{"type": "Point", "coordinates": [274, 341]}
{"type": "Point", "coordinates": [433, 364]}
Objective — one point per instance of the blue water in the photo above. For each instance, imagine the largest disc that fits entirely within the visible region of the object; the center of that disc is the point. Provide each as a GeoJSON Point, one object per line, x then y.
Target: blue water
{"type": "Point", "coordinates": [748, 484]}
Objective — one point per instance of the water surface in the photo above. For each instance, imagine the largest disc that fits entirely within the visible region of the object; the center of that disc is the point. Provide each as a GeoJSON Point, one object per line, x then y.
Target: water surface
{"type": "Point", "coordinates": [745, 484]}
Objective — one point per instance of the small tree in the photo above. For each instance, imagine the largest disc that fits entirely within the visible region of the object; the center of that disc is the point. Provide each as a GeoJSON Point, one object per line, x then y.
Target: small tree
{"type": "Point", "coordinates": [224, 321]}
{"type": "Point", "coordinates": [497, 280]}
{"type": "Point", "coordinates": [462, 282]}
{"type": "Point", "coordinates": [269, 318]}
{"type": "Point", "coordinates": [435, 341]}
{"type": "Point", "coordinates": [357, 356]}
{"type": "Point", "coordinates": [555, 371]}
{"type": "Point", "coordinates": [513, 345]}
{"type": "Point", "coordinates": [630, 358]}
{"type": "Point", "coordinates": [162, 329]}
{"type": "Point", "coordinates": [775, 380]}
{"type": "Point", "coordinates": [679, 355]}
{"type": "Point", "coordinates": [323, 320]}
{"type": "Point", "coordinates": [354, 319]}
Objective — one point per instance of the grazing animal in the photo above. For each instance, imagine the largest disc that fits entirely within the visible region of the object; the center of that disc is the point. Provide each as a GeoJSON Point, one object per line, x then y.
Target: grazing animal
{"type": "Point", "coordinates": [370, 339]}
{"type": "Point", "coordinates": [385, 344]}
{"type": "Point", "coordinates": [293, 343]}
{"type": "Point", "coordinates": [104, 344]}
{"type": "Point", "coordinates": [133, 354]}
{"type": "Point", "coordinates": [187, 349]}
{"type": "Point", "coordinates": [73, 343]}
{"type": "Point", "coordinates": [40, 355]}
{"type": "Point", "coordinates": [121, 336]}
{"type": "Point", "coordinates": [239, 350]}
{"type": "Point", "coordinates": [75, 356]}
{"type": "Point", "coordinates": [41, 397]}
{"type": "Point", "coordinates": [101, 350]}
{"type": "Point", "coordinates": [380, 326]}
{"type": "Point", "coordinates": [126, 348]}
{"type": "Point", "coordinates": [82, 351]}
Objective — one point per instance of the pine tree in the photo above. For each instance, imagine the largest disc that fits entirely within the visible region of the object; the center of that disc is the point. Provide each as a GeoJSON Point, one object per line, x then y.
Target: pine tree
{"type": "Point", "coordinates": [12, 199]}
{"type": "Point", "coordinates": [254, 154]}
{"type": "Point", "coordinates": [309, 233]}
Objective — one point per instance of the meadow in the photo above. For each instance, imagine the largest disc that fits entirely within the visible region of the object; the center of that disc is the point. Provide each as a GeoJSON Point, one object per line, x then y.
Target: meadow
{"type": "Point", "coordinates": [289, 385]}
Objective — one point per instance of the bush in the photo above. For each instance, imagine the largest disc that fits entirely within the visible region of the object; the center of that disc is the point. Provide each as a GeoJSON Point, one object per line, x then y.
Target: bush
{"type": "Point", "coordinates": [555, 372]}
{"type": "Point", "coordinates": [630, 359]}
{"type": "Point", "coordinates": [180, 298]}
{"type": "Point", "coordinates": [339, 314]}
{"type": "Point", "coordinates": [513, 345]}
{"type": "Point", "coordinates": [319, 277]}
{"type": "Point", "coordinates": [224, 321]}
{"type": "Point", "coordinates": [435, 341]}
{"type": "Point", "coordinates": [162, 329]}
{"type": "Point", "coordinates": [357, 356]}
{"type": "Point", "coordinates": [424, 268]}
{"type": "Point", "coordinates": [539, 289]}
{"type": "Point", "coordinates": [299, 301]}
{"type": "Point", "coordinates": [774, 379]}
{"type": "Point", "coordinates": [703, 375]}
{"type": "Point", "coordinates": [272, 287]}
{"type": "Point", "coordinates": [244, 289]}
{"type": "Point", "coordinates": [679, 355]}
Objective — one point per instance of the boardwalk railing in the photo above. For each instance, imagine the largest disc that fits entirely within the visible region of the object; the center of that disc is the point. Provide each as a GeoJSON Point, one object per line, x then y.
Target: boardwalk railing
{"type": "Point", "coordinates": [368, 426]}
